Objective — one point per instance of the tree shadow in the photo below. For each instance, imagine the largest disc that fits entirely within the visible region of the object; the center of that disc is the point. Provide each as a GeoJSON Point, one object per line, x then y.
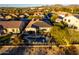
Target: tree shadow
{"type": "Point", "coordinates": [16, 51]}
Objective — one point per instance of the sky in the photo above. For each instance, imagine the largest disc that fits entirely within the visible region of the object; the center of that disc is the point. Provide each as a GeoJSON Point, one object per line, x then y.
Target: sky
{"type": "Point", "coordinates": [30, 3]}
{"type": "Point", "coordinates": [20, 5]}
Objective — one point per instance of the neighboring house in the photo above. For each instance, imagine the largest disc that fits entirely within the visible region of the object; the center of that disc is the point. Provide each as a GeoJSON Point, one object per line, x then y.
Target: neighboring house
{"type": "Point", "coordinates": [32, 8]}
{"type": "Point", "coordinates": [72, 21]}
{"type": "Point", "coordinates": [63, 14]}
{"type": "Point", "coordinates": [43, 26]}
{"type": "Point", "coordinates": [38, 14]}
{"type": "Point", "coordinates": [38, 24]}
{"type": "Point", "coordinates": [11, 26]}
{"type": "Point", "coordinates": [59, 19]}
{"type": "Point", "coordinates": [40, 8]}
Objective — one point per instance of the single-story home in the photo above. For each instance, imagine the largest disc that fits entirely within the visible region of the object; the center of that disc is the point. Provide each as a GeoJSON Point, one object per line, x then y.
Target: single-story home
{"type": "Point", "coordinates": [11, 26]}
{"type": "Point", "coordinates": [63, 14]}
{"type": "Point", "coordinates": [72, 21]}
{"type": "Point", "coordinates": [38, 24]}
{"type": "Point", "coordinates": [59, 19]}
{"type": "Point", "coordinates": [38, 14]}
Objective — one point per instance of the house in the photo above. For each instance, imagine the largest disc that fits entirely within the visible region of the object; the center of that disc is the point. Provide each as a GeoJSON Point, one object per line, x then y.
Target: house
{"type": "Point", "coordinates": [38, 14]}
{"type": "Point", "coordinates": [11, 26]}
{"type": "Point", "coordinates": [32, 8]}
{"type": "Point", "coordinates": [14, 26]}
{"type": "Point", "coordinates": [59, 19]}
{"type": "Point", "coordinates": [63, 14]}
{"type": "Point", "coordinates": [38, 24]}
{"type": "Point", "coordinates": [40, 8]}
{"type": "Point", "coordinates": [72, 21]}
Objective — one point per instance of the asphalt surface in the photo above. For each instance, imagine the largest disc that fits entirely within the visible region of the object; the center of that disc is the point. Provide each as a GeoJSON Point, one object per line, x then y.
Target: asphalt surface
{"type": "Point", "coordinates": [27, 50]}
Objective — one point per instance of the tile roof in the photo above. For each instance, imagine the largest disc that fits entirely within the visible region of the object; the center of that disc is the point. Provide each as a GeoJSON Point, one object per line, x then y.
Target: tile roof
{"type": "Point", "coordinates": [16, 24]}
{"type": "Point", "coordinates": [10, 24]}
{"type": "Point", "coordinates": [60, 17]}
{"type": "Point", "coordinates": [38, 24]}
{"type": "Point", "coordinates": [77, 16]}
{"type": "Point", "coordinates": [41, 24]}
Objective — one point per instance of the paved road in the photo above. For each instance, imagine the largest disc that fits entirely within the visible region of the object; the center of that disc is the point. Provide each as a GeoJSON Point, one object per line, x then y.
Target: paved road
{"type": "Point", "coordinates": [14, 51]}
{"type": "Point", "coordinates": [23, 50]}
{"type": "Point", "coordinates": [18, 50]}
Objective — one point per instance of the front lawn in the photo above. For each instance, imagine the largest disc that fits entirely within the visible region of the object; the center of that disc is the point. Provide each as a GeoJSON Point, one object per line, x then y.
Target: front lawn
{"type": "Point", "coordinates": [65, 36]}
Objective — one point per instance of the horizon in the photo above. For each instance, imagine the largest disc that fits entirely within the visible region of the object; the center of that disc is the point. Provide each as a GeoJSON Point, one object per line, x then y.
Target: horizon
{"type": "Point", "coordinates": [30, 5]}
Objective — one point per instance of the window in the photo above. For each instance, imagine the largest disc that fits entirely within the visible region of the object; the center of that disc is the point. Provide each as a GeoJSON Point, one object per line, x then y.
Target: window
{"type": "Point", "coordinates": [13, 30]}
{"type": "Point", "coordinates": [68, 20]}
{"type": "Point", "coordinates": [75, 27]}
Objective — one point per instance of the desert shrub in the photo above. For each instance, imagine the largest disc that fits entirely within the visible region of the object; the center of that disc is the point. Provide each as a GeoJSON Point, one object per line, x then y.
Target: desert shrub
{"type": "Point", "coordinates": [16, 41]}
{"type": "Point", "coordinates": [71, 50]}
